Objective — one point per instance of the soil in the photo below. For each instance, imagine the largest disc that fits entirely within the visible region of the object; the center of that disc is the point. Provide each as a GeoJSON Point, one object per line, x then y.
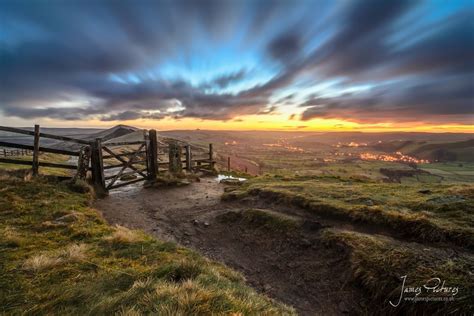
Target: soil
{"type": "Point", "coordinates": [292, 266]}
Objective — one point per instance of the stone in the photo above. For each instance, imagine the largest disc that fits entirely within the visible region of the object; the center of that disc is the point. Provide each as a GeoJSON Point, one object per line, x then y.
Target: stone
{"type": "Point", "coordinates": [306, 242]}
{"type": "Point", "coordinates": [231, 181]}
{"type": "Point", "coordinates": [425, 191]}
{"type": "Point", "coordinates": [343, 307]}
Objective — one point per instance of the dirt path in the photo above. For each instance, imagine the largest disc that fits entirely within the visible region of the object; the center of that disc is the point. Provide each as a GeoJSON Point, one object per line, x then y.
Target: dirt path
{"type": "Point", "coordinates": [294, 268]}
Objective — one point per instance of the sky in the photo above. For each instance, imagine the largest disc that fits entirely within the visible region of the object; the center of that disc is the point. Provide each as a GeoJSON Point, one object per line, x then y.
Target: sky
{"type": "Point", "coordinates": [335, 65]}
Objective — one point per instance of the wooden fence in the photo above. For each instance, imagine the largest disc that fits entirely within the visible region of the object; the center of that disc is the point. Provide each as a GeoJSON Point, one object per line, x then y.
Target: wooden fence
{"type": "Point", "coordinates": [137, 160]}
{"type": "Point", "coordinates": [15, 152]}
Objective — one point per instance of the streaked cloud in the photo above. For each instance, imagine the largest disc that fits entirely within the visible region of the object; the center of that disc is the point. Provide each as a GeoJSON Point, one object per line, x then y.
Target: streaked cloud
{"type": "Point", "coordinates": [220, 60]}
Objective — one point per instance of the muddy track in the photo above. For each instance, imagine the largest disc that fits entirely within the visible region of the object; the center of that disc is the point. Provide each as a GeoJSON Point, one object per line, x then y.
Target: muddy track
{"type": "Point", "coordinates": [295, 267]}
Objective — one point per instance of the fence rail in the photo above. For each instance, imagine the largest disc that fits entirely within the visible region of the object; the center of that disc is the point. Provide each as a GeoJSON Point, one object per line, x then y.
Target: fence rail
{"type": "Point", "coordinates": [143, 162]}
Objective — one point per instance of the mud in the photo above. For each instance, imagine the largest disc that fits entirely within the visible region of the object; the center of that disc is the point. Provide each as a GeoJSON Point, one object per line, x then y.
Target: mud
{"type": "Point", "coordinates": [293, 266]}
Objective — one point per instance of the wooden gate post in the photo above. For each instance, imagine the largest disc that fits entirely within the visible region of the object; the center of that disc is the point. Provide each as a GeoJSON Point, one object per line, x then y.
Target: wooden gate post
{"type": "Point", "coordinates": [211, 156]}
{"type": "Point", "coordinates": [175, 164]}
{"type": "Point", "coordinates": [189, 166]}
{"type": "Point", "coordinates": [35, 164]}
{"type": "Point", "coordinates": [83, 163]}
{"type": "Point", "coordinates": [152, 155]}
{"type": "Point", "coordinates": [97, 166]}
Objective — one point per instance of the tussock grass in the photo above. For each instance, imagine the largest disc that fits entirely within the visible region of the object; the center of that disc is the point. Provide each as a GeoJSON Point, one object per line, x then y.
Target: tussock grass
{"type": "Point", "coordinates": [80, 265]}
{"type": "Point", "coordinates": [72, 253]}
{"type": "Point", "coordinates": [11, 238]}
{"type": "Point", "coordinates": [123, 235]}
{"type": "Point", "coordinates": [41, 262]}
{"type": "Point", "coordinates": [378, 263]}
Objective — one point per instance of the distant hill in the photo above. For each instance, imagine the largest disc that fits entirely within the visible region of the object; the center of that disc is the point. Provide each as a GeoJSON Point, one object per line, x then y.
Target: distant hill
{"type": "Point", "coordinates": [433, 151]}
{"type": "Point", "coordinates": [114, 132]}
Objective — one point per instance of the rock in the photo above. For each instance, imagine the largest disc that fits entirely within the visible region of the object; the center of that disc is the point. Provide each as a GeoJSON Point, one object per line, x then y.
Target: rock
{"type": "Point", "coordinates": [312, 225]}
{"type": "Point", "coordinates": [231, 181]}
{"type": "Point", "coordinates": [195, 222]}
{"type": "Point", "coordinates": [206, 224]}
{"type": "Point", "coordinates": [184, 182]}
{"type": "Point", "coordinates": [425, 191]}
{"type": "Point", "coordinates": [305, 242]}
{"type": "Point", "coordinates": [369, 202]}
{"type": "Point", "coordinates": [186, 233]}
{"type": "Point", "coordinates": [267, 287]}
{"type": "Point", "coordinates": [291, 265]}
{"type": "Point", "coordinates": [69, 218]}
{"type": "Point", "coordinates": [343, 307]}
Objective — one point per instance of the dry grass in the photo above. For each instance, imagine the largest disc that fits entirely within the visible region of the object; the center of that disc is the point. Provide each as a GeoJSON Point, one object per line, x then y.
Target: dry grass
{"type": "Point", "coordinates": [378, 262]}
{"type": "Point", "coordinates": [124, 235]}
{"type": "Point", "coordinates": [86, 267]}
{"type": "Point", "coordinates": [11, 238]}
{"type": "Point", "coordinates": [74, 253]}
{"type": "Point", "coordinates": [445, 214]}
{"type": "Point", "coordinates": [41, 262]}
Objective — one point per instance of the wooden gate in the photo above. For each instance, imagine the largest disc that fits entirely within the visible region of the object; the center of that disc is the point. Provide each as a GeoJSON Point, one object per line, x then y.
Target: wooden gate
{"type": "Point", "coordinates": [112, 164]}
{"type": "Point", "coordinates": [118, 164]}
{"type": "Point", "coordinates": [132, 164]}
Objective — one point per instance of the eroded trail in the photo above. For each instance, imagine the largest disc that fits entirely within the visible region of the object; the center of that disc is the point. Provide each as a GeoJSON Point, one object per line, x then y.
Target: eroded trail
{"type": "Point", "coordinates": [294, 266]}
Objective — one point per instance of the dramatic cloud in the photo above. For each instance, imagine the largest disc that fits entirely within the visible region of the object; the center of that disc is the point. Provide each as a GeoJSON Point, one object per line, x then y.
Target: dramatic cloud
{"type": "Point", "coordinates": [364, 61]}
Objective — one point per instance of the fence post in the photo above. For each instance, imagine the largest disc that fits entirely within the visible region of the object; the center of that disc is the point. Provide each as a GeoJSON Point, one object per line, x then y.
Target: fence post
{"type": "Point", "coordinates": [152, 155]}
{"type": "Point", "coordinates": [97, 165]}
{"type": "Point", "coordinates": [189, 166]}
{"type": "Point", "coordinates": [228, 163]}
{"type": "Point", "coordinates": [211, 156]}
{"type": "Point", "coordinates": [35, 164]}
{"type": "Point", "coordinates": [175, 164]}
{"type": "Point", "coordinates": [83, 163]}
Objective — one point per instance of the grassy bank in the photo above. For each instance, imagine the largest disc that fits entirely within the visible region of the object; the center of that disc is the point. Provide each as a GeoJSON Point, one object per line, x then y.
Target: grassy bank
{"type": "Point", "coordinates": [428, 212]}
{"type": "Point", "coordinates": [376, 264]}
{"type": "Point", "coordinates": [379, 262]}
{"type": "Point", "coordinates": [58, 256]}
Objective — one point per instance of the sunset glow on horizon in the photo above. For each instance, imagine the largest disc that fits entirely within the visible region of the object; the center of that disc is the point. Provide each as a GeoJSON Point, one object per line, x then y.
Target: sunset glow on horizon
{"type": "Point", "coordinates": [306, 65]}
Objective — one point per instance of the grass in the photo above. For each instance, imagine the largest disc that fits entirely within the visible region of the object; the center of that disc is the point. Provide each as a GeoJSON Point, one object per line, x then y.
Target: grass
{"type": "Point", "coordinates": [44, 157]}
{"type": "Point", "coordinates": [445, 213]}
{"type": "Point", "coordinates": [378, 263]}
{"type": "Point", "coordinates": [58, 256]}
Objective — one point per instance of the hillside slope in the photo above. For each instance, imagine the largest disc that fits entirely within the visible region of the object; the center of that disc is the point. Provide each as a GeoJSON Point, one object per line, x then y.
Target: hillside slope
{"type": "Point", "coordinates": [58, 256]}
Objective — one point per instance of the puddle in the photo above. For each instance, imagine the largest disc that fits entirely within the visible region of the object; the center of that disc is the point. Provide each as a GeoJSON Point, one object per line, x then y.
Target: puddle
{"type": "Point", "coordinates": [224, 177]}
